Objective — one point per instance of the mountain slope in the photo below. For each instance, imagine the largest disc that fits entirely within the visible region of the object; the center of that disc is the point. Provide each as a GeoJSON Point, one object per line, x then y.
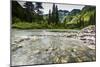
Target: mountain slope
{"type": "Point", "coordinates": [85, 17]}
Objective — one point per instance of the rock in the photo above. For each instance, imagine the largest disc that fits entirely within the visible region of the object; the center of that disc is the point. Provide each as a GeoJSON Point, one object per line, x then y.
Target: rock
{"type": "Point", "coordinates": [89, 29]}
{"type": "Point", "coordinates": [36, 52]}
{"type": "Point", "coordinates": [16, 48]}
{"type": "Point", "coordinates": [83, 39]}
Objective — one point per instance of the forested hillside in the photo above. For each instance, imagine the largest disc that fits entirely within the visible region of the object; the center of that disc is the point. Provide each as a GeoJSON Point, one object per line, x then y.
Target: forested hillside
{"type": "Point", "coordinates": [32, 17]}
{"type": "Point", "coordinates": [80, 19]}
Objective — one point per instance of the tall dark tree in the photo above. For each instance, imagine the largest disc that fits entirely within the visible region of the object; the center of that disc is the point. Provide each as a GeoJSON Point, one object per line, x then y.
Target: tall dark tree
{"type": "Point", "coordinates": [17, 12]}
{"type": "Point", "coordinates": [49, 17]}
{"type": "Point", "coordinates": [33, 11]}
{"type": "Point", "coordinates": [38, 7]}
{"type": "Point", "coordinates": [29, 11]}
{"type": "Point", "coordinates": [29, 6]}
{"type": "Point", "coordinates": [93, 18]}
{"type": "Point", "coordinates": [39, 12]}
{"type": "Point", "coordinates": [55, 15]}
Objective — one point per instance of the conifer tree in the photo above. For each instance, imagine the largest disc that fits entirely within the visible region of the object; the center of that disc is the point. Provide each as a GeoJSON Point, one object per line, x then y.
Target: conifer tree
{"type": "Point", "coordinates": [55, 15]}
{"type": "Point", "coordinates": [49, 17]}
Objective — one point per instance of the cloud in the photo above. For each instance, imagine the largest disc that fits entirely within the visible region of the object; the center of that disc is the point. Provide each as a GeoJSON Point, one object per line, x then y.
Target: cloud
{"type": "Point", "coordinates": [48, 6]}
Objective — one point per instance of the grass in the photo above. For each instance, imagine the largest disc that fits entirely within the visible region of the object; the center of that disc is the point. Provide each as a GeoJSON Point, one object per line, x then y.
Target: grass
{"type": "Point", "coordinates": [34, 25]}
{"type": "Point", "coordinates": [26, 25]}
{"type": "Point", "coordinates": [45, 25]}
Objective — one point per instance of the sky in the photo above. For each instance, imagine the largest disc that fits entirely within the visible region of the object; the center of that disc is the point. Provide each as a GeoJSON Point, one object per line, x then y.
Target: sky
{"type": "Point", "coordinates": [48, 6]}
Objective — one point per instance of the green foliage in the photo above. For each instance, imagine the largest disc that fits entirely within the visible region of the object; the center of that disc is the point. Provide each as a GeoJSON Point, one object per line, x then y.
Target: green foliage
{"type": "Point", "coordinates": [87, 16]}
{"type": "Point", "coordinates": [28, 13]}
{"type": "Point", "coordinates": [14, 20]}
{"type": "Point", "coordinates": [54, 16]}
{"type": "Point", "coordinates": [31, 17]}
{"type": "Point", "coordinates": [26, 25]}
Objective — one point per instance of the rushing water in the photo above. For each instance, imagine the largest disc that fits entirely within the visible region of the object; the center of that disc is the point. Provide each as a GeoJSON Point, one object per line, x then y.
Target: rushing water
{"type": "Point", "coordinates": [44, 47]}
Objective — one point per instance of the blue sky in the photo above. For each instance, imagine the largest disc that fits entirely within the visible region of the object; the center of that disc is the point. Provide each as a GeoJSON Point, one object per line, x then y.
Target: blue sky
{"type": "Point", "coordinates": [48, 6]}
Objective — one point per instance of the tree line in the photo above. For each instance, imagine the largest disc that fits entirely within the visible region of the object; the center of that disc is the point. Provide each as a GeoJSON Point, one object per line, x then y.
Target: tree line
{"type": "Point", "coordinates": [32, 13]}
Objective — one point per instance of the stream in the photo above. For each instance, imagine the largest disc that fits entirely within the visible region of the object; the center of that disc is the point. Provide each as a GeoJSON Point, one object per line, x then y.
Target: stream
{"type": "Point", "coordinates": [31, 47]}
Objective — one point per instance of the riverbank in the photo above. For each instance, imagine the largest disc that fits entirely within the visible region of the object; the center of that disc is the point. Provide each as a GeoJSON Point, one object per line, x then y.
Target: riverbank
{"type": "Point", "coordinates": [34, 25]}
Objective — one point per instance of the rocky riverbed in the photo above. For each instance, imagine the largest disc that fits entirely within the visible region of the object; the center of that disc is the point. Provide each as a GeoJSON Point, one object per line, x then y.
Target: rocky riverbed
{"type": "Point", "coordinates": [45, 47]}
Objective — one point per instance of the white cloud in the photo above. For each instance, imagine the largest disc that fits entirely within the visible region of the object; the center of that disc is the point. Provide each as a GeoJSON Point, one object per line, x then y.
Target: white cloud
{"type": "Point", "coordinates": [68, 7]}
{"type": "Point", "coordinates": [48, 6]}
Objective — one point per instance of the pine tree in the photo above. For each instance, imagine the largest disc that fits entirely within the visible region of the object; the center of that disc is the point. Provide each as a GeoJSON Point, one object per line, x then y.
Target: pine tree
{"type": "Point", "coordinates": [29, 11]}
{"type": "Point", "coordinates": [29, 6]}
{"type": "Point", "coordinates": [53, 13]}
{"type": "Point", "coordinates": [38, 7]}
{"type": "Point", "coordinates": [39, 16]}
{"type": "Point", "coordinates": [49, 17]}
{"type": "Point", "coordinates": [57, 15]}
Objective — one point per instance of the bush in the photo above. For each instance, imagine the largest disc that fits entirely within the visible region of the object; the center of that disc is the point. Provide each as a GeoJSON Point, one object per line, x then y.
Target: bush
{"type": "Point", "coordinates": [15, 20]}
